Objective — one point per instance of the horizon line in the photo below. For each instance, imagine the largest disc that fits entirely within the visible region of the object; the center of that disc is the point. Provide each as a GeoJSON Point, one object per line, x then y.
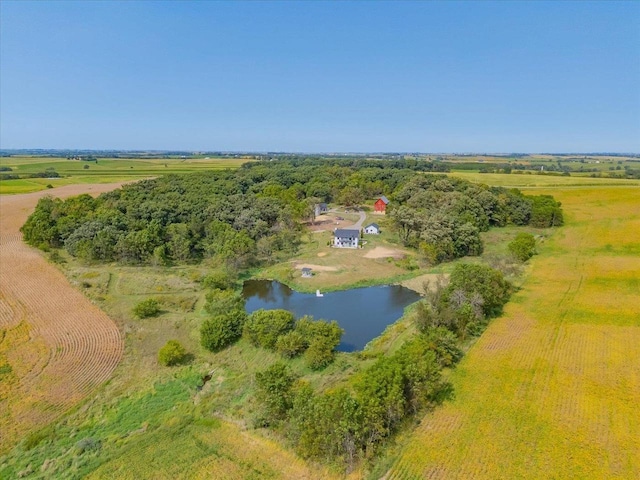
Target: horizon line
{"type": "Point", "coordinates": [292, 152]}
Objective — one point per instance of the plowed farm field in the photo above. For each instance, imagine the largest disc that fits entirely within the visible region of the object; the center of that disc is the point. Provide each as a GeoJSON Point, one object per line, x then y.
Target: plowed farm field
{"type": "Point", "coordinates": [552, 388]}
{"type": "Point", "coordinates": [56, 347]}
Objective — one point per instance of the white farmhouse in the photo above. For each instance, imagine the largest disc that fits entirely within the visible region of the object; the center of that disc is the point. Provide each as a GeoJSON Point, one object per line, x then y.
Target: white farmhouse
{"type": "Point", "coordinates": [346, 238]}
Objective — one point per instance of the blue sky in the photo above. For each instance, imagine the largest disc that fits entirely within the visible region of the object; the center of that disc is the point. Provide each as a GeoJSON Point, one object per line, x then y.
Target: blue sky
{"type": "Point", "coordinates": [321, 76]}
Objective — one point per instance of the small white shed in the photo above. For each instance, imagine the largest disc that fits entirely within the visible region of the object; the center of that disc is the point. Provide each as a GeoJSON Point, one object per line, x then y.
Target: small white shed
{"type": "Point", "coordinates": [372, 229]}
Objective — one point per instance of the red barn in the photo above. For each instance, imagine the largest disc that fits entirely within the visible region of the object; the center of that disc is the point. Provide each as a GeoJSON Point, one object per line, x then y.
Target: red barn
{"type": "Point", "coordinates": [381, 204]}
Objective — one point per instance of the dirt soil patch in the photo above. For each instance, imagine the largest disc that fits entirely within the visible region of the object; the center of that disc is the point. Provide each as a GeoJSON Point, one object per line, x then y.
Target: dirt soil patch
{"type": "Point", "coordinates": [319, 268]}
{"type": "Point", "coordinates": [418, 284]}
{"type": "Point", "coordinates": [383, 252]}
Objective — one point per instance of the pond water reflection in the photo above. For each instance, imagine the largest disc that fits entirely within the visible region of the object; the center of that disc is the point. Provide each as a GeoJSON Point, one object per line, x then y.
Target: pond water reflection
{"type": "Point", "coordinates": [363, 313]}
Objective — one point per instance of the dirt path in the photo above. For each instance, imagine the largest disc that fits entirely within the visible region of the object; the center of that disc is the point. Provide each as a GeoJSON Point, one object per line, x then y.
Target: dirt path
{"type": "Point", "coordinates": [358, 224]}
{"type": "Point", "coordinates": [59, 346]}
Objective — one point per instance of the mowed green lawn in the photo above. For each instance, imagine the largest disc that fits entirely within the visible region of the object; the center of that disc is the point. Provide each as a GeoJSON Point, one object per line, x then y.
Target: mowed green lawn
{"type": "Point", "coordinates": [104, 171]}
{"type": "Point", "coordinates": [552, 388]}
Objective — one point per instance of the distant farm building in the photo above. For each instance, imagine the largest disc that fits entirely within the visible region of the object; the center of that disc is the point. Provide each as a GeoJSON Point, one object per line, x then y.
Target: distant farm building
{"type": "Point", "coordinates": [306, 273]}
{"type": "Point", "coordinates": [321, 208]}
{"type": "Point", "coordinates": [346, 238]}
{"type": "Point", "coordinates": [372, 229]}
{"type": "Point", "coordinates": [381, 205]}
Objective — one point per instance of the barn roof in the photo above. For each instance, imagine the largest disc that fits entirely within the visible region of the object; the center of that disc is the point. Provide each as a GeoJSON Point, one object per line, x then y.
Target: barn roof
{"type": "Point", "coordinates": [384, 199]}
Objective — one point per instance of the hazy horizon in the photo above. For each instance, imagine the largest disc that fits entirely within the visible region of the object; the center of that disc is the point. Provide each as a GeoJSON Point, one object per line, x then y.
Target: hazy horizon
{"type": "Point", "coordinates": [285, 152]}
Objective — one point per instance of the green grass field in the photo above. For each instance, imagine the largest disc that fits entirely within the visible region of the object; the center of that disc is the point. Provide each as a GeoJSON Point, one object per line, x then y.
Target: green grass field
{"type": "Point", "coordinates": [104, 171]}
{"type": "Point", "coordinates": [551, 389]}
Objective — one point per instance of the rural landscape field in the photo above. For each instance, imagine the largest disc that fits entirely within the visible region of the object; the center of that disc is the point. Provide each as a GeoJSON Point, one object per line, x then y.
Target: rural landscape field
{"type": "Point", "coordinates": [34, 173]}
{"type": "Point", "coordinates": [551, 388]}
{"type": "Point", "coordinates": [319, 240]}
{"type": "Point", "coordinates": [557, 369]}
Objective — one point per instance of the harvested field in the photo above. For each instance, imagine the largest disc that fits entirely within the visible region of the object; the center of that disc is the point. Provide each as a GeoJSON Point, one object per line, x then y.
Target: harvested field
{"type": "Point", "coordinates": [59, 346]}
{"type": "Point", "coordinates": [551, 389]}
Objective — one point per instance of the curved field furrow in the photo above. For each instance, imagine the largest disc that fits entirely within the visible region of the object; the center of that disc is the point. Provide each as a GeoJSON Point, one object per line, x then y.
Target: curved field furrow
{"type": "Point", "coordinates": [63, 346]}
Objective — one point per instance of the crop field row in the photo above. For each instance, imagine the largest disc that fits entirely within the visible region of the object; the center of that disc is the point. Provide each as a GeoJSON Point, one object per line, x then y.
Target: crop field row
{"type": "Point", "coordinates": [524, 181]}
{"type": "Point", "coordinates": [104, 171]}
{"type": "Point", "coordinates": [551, 389]}
{"type": "Point", "coordinates": [57, 344]}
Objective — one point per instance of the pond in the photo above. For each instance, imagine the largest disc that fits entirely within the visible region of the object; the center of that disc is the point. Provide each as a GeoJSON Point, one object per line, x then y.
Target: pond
{"type": "Point", "coordinates": [363, 313]}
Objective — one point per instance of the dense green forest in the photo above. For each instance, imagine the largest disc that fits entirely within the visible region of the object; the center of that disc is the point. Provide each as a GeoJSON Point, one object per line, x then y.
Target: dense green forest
{"type": "Point", "coordinates": [443, 216]}
{"type": "Point", "coordinates": [253, 215]}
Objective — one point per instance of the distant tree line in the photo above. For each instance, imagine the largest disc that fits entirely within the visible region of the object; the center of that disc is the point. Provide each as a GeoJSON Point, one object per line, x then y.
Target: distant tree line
{"type": "Point", "coordinates": [47, 173]}
{"type": "Point", "coordinates": [244, 216]}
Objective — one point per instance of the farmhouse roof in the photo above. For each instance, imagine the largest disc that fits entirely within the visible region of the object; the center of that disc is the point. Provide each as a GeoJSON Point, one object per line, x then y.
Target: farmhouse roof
{"type": "Point", "coordinates": [306, 270]}
{"type": "Point", "coordinates": [346, 232]}
{"type": "Point", "coordinates": [373, 225]}
{"type": "Point", "coordinates": [384, 199]}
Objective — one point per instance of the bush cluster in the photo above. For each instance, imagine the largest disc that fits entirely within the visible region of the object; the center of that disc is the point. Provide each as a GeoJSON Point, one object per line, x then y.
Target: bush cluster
{"type": "Point", "coordinates": [350, 422]}
{"type": "Point", "coordinates": [278, 330]}
{"type": "Point", "coordinates": [474, 294]}
{"type": "Point", "coordinates": [523, 247]}
{"type": "Point", "coordinates": [147, 308]}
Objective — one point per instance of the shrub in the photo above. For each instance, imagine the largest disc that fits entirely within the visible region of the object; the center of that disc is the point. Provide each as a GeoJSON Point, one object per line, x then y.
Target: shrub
{"type": "Point", "coordinates": [223, 301]}
{"type": "Point", "coordinates": [320, 353]}
{"type": "Point", "coordinates": [445, 345]}
{"type": "Point", "coordinates": [222, 330]}
{"type": "Point", "coordinates": [86, 445]}
{"type": "Point", "coordinates": [312, 330]}
{"type": "Point", "coordinates": [321, 338]}
{"type": "Point", "coordinates": [147, 308]}
{"type": "Point", "coordinates": [291, 344]}
{"type": "Point", "coordinates": [218, 279]}
{"type": "Point", "coordinates": [172, 353]}
{"type": "Point", "coordinates": [545, 211]}
{"type": "Point", "coordinates": [472, 280]}
{"type": "Point", "coordinates": [523, 247]}
{"type": "Point", "coordinates": [274, 389]}
{"type": "Point", "coordinates": [263, 327]}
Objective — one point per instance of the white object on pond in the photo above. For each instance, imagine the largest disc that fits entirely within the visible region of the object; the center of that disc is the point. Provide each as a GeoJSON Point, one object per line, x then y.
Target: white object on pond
{"type": "Point", "coordinates": [318, 294]}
